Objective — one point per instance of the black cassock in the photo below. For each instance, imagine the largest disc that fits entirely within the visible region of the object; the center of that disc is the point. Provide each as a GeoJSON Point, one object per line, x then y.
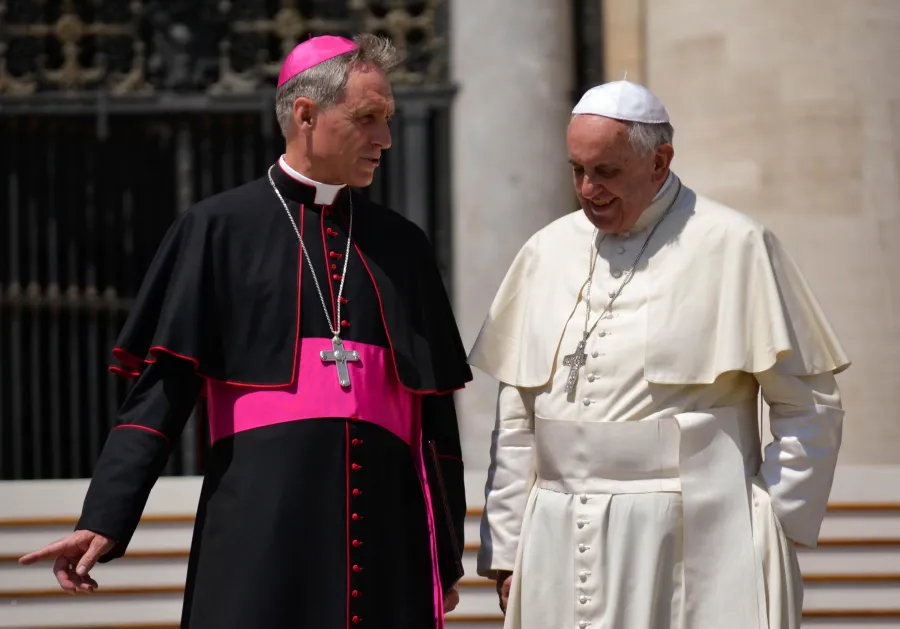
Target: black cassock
{"type": "Point", "coordinates": [308, 520]}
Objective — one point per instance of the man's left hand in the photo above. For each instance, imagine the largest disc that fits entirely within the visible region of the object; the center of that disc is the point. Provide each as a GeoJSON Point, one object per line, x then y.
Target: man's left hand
{"type": "Point", "coordinates": [451, 599]}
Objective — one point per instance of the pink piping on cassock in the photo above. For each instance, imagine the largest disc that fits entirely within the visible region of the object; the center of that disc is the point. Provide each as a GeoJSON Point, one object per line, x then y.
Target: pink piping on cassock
{"type": "Point", "coordinates": [423, 479]}
{"type": "Point", "coordinates": [375, 396]}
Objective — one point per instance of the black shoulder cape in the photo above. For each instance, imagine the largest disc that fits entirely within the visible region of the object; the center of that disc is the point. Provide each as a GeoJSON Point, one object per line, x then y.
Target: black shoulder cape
{"type": "Point", "coordinates": [223, 291]}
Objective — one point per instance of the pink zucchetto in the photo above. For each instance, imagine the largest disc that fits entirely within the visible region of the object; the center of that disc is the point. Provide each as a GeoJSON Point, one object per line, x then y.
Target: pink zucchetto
{"type": "Point", "coordinates": [313, 52]}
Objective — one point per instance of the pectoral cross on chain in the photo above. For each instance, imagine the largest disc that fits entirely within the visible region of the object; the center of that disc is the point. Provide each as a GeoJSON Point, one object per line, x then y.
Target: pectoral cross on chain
{"type": "Point", "coordinates": [574, 362]}
{"type": "Point", "coordinates": [340, 357]}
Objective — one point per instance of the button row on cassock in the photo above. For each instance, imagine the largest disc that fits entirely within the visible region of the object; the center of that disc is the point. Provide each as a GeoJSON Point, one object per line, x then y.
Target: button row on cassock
{"type": "Point", "coordinates": [337, 277]}
{"type": "Point", "coordinates": [356, 492]}
{"type": "Point", "coordinates": [583, 574]}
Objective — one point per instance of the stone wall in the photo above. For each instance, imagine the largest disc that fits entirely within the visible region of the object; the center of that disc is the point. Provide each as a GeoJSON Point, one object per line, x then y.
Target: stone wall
{"type": "Point", "coordinates": [787, 111]}
{"type": "Point", "coordinates": [790, 111]}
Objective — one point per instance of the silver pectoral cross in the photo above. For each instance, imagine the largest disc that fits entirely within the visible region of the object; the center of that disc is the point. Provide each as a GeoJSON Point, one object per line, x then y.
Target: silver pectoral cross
{"type": "Point", "coordinates": [340, 357]}
{"type": "Point", "coordinates": [574, 362]}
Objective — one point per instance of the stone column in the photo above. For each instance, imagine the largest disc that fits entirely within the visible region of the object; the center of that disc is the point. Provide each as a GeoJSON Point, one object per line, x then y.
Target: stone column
{"type": "Point", "coordinates": [512, 62]}
{"type": "Point", "coordinates": [790, 111]}
{"type": "Point", "coordinates": [624, 46]}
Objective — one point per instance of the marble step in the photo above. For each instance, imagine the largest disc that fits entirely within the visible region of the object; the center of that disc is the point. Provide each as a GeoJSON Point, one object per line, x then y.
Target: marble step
{"type": "Point", "coordinates": [854, 559]}
{"type": "Point", "coordinates": [161, 607]}
{"type": "Point", "coordinates": [852, 578]}
{"type": "Point", "coordinates": [174, 531]}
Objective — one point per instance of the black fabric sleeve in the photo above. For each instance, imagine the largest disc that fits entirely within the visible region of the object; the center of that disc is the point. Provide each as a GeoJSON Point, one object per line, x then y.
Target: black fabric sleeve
{"type": "Point", "coordinates": [446, 480]}
{"type": "Point", "coordinates": [150, 420]}
{"type": "Point", "coordinates": [175, 309]}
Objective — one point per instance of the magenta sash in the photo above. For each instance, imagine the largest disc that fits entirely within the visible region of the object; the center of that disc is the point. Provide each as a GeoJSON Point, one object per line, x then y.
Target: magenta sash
{"type": "Point", "coordinates": [375, 396]}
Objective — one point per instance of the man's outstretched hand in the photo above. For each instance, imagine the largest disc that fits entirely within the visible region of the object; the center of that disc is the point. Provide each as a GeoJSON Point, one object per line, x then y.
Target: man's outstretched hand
{"type": "Point", "coordinates": [75, 555]}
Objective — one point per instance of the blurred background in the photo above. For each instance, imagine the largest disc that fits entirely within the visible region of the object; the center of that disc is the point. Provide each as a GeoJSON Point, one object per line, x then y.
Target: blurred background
{"type": "Point", "coordinates": [116, 115]}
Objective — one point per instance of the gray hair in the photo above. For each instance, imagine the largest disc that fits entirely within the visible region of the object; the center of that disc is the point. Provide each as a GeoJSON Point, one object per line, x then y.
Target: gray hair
{"type": "Point", "coordinates": [646, 137]}
{"type": "Point", "coordinates": [325, 82]}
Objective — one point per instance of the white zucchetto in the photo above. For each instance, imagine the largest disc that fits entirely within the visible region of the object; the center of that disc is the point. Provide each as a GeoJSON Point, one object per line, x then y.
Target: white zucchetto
{"type": "Point", "coordinates": [622, 100]}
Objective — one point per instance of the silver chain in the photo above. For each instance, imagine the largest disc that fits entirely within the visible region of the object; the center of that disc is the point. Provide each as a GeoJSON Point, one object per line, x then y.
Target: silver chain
{"type": "Point", "coordinates": [590, 281]}
{"type": "Point", "coordinates": [614, 296]}
{"type": "Point", "coordinates": [336, 327]}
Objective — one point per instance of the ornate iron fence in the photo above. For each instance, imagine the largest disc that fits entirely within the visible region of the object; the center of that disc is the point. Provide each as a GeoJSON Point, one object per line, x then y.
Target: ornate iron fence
{"type": "Point", "coordinates": [116, 115]}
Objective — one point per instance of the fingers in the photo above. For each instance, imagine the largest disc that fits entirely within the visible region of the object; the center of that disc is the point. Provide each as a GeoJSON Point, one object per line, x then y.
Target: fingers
{"type": "Point", "coordinates": [503, 589]}
{"type": "Point", "coordinates": [85, 547]}
{"type": "Point", "coordinates": [99, 546]}
{"type": "Point", "coordinates": [64, 574]}
{"type": "Point", "coordinates": [88, 584]}
{"type": "Point", "coordinates": [68, 580]}
{"type": "Point", "coordinates": [51, 550]}
{"type": "Point", "coordinates": [451, 600]}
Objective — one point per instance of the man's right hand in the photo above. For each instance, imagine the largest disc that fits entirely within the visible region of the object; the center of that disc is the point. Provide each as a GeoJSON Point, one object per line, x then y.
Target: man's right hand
{"type": "Point", "coordinates": [504, 583]}
{"type": "Point", "coordinates": [76, 554]}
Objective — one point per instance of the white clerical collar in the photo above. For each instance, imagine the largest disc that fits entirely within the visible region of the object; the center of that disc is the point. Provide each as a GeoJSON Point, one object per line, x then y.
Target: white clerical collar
{"type": "Point", "coordinates": [326, 193]}
{"type": "Point", "coordinates": [657, 206]}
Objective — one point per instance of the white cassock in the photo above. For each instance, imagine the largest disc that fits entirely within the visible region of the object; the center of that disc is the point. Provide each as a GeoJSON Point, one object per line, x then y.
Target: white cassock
{"type": "Point", "coordinates": [643, 499]}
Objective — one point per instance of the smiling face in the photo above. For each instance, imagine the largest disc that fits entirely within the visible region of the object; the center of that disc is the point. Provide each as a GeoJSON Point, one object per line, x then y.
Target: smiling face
{"type": "Point", "coordinates": [344, 142]}
{"type": "Point", "coordinates": [614, 184]}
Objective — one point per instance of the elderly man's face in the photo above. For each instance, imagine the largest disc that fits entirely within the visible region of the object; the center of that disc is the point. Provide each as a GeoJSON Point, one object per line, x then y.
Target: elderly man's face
{"type": "Point", "coordinates": [347, 139]}
{"type": "Point", "coordinates": [613, 182]}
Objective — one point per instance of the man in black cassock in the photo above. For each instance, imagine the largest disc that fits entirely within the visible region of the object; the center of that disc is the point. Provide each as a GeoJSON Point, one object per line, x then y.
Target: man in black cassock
{"type": "Point", "coordinates": [316, 324]}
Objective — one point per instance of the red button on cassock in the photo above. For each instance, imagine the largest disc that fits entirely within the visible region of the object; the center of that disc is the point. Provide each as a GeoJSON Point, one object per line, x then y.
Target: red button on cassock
{"type": "Point", "coordinates": [357, 620]}
{"type": "Point", "coordinates": [355, 593]}
{"type": "Point", "coordinates": [356, 516]}
{"type": "Point", "coordinates": [357, 492]}
{"type": "Point", "coordinates": [357, 543]}
{"type": "Point", "coordinates": [357, 569]}
{"type": "Point", "coordinates": [356, 467]}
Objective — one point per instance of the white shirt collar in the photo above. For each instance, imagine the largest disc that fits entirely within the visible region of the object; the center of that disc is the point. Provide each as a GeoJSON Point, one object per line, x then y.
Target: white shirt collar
{"type": "Point", "coordinates": [657, 206]}
{"type": "Point", "coordinates": [326, 193]}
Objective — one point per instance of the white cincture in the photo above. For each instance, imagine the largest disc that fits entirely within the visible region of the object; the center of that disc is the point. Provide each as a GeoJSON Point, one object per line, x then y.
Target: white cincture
{"type": "Point", "coordinates": [672, 454]}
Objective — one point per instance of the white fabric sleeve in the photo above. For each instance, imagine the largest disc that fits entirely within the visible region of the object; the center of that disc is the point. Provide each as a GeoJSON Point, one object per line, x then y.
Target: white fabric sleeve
{"type": "Point", "coordinates": [510, 478]}
{"type": "Point", "coordinates": [806, 420]}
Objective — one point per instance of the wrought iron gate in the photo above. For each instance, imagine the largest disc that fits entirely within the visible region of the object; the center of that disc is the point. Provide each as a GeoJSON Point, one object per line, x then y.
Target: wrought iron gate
{"type": "Point", "coordinates": [114, 116]}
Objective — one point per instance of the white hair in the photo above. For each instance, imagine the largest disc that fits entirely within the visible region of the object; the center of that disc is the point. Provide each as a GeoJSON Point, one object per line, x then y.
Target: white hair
{"type": "Point", "coordinates": [325, 82]}
{"type": "Point", "coordinates": [646, 137]}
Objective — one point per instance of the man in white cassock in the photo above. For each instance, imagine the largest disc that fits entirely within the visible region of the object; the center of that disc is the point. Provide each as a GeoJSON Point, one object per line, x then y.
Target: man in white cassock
{"type": "Point", "coordinates": [628, 486]}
